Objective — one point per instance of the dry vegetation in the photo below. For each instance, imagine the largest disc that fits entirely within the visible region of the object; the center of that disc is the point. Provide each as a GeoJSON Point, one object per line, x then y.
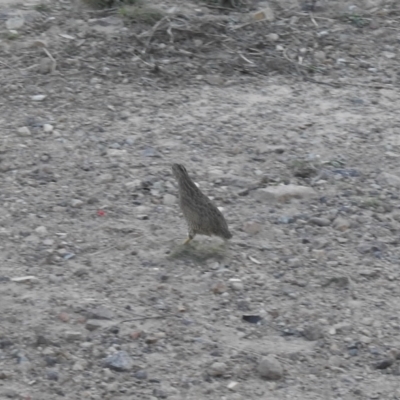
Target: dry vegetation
{"type": "Point", "coordinates": [287, 115]}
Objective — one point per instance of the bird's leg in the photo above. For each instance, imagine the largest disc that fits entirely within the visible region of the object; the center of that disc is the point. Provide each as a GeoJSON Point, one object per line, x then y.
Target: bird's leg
{"type": "Point", "coordinates": [190, 237]}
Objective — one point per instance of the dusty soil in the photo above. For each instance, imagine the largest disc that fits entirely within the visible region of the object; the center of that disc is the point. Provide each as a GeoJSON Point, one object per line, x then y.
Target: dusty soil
{"type": "Point", "coordinates": [110, 305]}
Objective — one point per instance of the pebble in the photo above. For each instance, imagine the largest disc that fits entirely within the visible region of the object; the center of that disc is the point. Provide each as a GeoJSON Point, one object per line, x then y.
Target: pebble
{"type": "Point", "coordinates": [93, 324]}
{"type": "Point", "coordinates": [232, 385]}
{"type": "Point", "coordinates": [64, 317]}
{"type": "Point", "coordinates": [340, 281]}
{"type": "Point", "coordinates": [80, 365]}
{"type": "Point", "coordinates": [150, 152]}
{"type": "Point", "coordinates": [389, 54]}
{"type": "Point", "coordinates": [71, 336]}
{"type": "Point", "coordinates": [41, 231]}
{"type": "Point", "coordinates": [320, 56]}
{"type": "Point", "coordinates": [125, 114]}
{"type": "Point", "coordinates": [341, 224]}
{"type": "Point", "coordinates": [4, 375]}
{"type": "Point", "coordinates": [214, 80]}
{"type": "Point", "coordinates": [367, 321]}
{"type": "Point", "coordinates": [169, 199]}
{"type": "Point", "coordinates": [365, 339]}
{"type": "Point", "coordinates": [318, 254]}
{"type": "Point", "coordinates": [272, 37]}
{"type": "Point", "coordinates": [25, 279]}
{"type": "Point", "coordinates": [160, 394]}
{"type": "Point", "coordinates": [116, 153]}
{"type": "Point", "coordinates": [52, 375]}
{"type": "Point", "coordinates": [48, 128]}
{"type": "Point", "coordinates": [23, 361]}
{"type": "Point", "coordinates": [392, 180]}
{"type": "Point", "coordinates": [132, 185]}
{"type": "Point", "coordinates": [45, 65]}
{"type": "Point", "coordinates": [38, 97]}
{"type": "Point", "coordinates": [119, 361]}
{"type": "Point", "coordinates": [353, 352]}
{"type": "Point", "coordinates": [313, 332]}
{"type": "Point", "coordinates": [136, 335]}
{"type": "Point", "coordinates": [112, 387]}
{"type": "Point", "coordinates": [385, 363]}
{"type": "Point", "coordinates": [218, 288]}
{"type": "Point", "coordinates": [319, 221]}
{"type": "Point", "coordinates": [76, 203]}
{"type": "Point", "coordinates": [130, 140]}
{"type": "Point", "coordinates": [284, 193]}
{"type": "Point", "coordinates": [217, 369]}
{"type": "Point", "coordinates": [141, 374]}
{"type": "Point", "coordinates": [252, 227]}
{"type": "Point", "coordinates": [295, 262]}
{"type": "Point", "coordinates": [270, 368]}
{"type": "Point", "coordinates": [335, 361]}
{"type": "Point", "coordinates": [236, 284]}
{"type": "Point", "coordinates": [151, 339]}
{"type": "Point", "coordinates": [100, 312]}
{"type": "Point", "coordinates": [93, 200]}
{"type": "Point", "coordinates": [15, 23]}
{"type": "Point", "coordinates": [24, 131]}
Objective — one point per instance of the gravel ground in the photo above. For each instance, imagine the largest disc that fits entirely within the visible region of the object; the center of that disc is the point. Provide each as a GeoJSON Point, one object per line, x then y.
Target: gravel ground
{"type": "Point", "coordinates": [99, 300]}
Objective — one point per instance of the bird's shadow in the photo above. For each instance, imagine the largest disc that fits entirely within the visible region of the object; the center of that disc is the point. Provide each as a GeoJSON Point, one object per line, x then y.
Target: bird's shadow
{"type": "Point", "coordinates": [199, 252]}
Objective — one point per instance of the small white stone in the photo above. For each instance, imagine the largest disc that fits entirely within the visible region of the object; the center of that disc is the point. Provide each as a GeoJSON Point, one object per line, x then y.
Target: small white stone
{"type": "Point", "coordinates": [48, 128]}
{"type": "Point", "coordinates": [218, 369]}
{"type": "Point", "coordinates": [232, 385]}
{"type": "Point", "coordinates": [273, 37]}
{"type": "Point", "coordinates": [270, 368]}
{"type": "Point", "coordinates": [76, 203]}
{"type": "Point", "coordinates": [38, 97]}
{"type": "Point", "coordinates": [41, 231]}
{"type": "Point", "coordinates": [25, 279]}
{"type": "Point", "coordinates": [236, 284]}
{"type": "Point", "coordinates": [24, 131]}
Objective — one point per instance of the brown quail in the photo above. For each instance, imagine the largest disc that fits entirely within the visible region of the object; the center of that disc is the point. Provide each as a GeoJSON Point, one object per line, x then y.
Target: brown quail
{"type": "Point", "coordinates": [201, 215]}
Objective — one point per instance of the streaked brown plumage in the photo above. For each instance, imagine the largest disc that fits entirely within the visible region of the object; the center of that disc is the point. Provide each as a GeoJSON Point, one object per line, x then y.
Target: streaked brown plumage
{"type": "Point", "coordinates": [201, 215]}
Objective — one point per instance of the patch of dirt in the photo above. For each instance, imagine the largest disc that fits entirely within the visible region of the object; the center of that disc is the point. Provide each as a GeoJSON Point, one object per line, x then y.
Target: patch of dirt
{"type": "Point", "coordinates": [255, 102]}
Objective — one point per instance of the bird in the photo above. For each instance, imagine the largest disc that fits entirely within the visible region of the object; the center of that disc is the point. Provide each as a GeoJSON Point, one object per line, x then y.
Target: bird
{"type": "Point", "coordinates": [201, 215]}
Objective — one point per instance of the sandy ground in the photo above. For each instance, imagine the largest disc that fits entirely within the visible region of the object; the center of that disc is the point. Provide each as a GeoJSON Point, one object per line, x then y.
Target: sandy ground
{"type": "Point", "coordinates": [114, 307]}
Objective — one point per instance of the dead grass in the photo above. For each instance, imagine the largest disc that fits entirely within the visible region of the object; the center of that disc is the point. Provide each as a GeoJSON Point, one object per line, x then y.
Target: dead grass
{"type": "Point", "coordinates": [148, 15]}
